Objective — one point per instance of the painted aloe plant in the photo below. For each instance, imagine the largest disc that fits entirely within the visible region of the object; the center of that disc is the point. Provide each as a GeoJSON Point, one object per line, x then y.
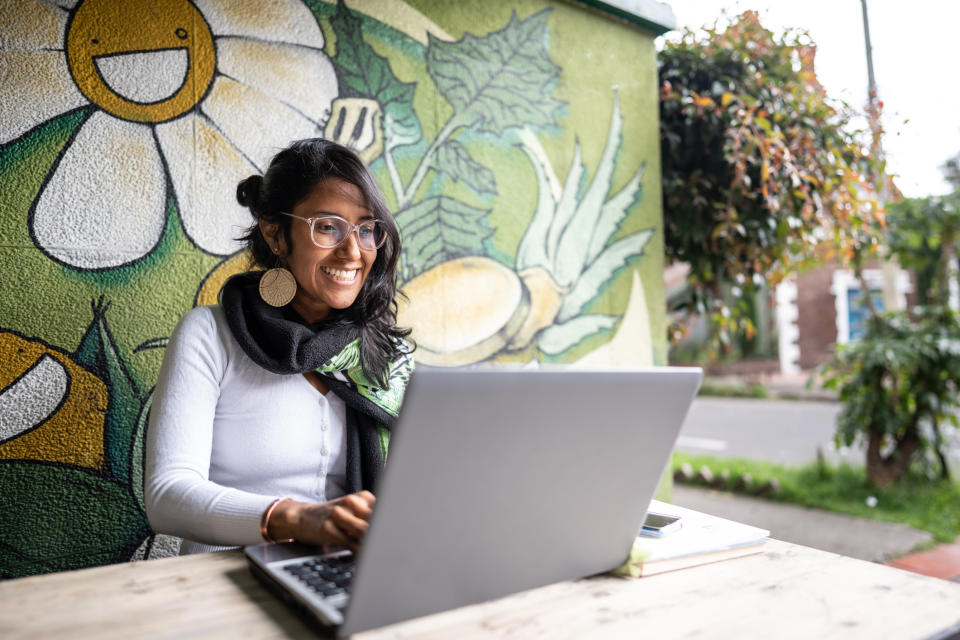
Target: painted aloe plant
{"type": "Point", "coordinates": [567, 256]}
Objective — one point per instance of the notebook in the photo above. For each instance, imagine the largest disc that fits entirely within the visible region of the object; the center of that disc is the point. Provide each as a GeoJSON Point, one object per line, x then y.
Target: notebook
{"type": "Point", "coordinates": [702, 539]}
{"type": "Point", "coordinates": [498, 480]}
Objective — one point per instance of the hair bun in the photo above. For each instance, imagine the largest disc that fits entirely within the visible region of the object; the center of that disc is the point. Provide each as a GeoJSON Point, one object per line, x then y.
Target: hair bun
{"type": "Point", "coordinates": [248, 191]}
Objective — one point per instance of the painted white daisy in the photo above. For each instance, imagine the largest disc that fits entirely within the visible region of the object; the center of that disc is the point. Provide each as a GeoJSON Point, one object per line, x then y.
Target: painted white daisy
{"type": "Point", "coordinates": [188, 97]}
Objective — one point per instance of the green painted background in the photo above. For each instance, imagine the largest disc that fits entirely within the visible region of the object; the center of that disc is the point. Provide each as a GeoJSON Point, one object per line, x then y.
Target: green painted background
{"type": "Point", "coordinates": [103, 330]}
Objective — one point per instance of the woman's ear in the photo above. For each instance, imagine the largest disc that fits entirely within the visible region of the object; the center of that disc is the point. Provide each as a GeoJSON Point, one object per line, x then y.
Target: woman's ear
{"type": "Point", "coordinates": [271, 233]}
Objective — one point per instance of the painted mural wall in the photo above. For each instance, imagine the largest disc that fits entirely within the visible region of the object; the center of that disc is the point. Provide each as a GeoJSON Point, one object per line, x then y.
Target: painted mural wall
{"type": "Point", "coordinates": [516, 143]}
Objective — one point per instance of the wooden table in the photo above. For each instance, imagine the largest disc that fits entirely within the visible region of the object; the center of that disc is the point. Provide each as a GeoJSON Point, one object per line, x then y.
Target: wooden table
{"type": "Point", "coordinates": [788, 592]}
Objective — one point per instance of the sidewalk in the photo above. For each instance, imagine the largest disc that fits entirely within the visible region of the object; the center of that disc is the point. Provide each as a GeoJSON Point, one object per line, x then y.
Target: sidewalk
{"type": "Point", "coordinates": [847, 535]}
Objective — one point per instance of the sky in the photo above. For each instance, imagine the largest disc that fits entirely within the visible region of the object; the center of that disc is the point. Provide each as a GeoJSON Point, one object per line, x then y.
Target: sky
{"type": "Point", "coordinates": [916, 54]}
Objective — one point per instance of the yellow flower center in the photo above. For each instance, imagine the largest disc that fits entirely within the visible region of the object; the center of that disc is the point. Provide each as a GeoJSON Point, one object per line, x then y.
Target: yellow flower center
{"type": "Point", "coordinates": [141, 60]}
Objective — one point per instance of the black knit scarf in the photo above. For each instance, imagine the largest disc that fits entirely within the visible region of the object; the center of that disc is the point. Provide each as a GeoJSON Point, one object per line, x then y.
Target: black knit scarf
{"type": "Point", "coordinates": [280, 341]}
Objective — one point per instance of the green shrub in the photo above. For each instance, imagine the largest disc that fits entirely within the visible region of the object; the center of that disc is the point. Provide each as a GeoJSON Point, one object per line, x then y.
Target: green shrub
{"type": "Point", "coordinates": [898, 385]}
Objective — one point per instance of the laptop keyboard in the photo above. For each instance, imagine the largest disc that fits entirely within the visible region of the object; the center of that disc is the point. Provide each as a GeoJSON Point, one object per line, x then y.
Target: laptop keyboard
{"type": "Point", "coordinates": [329, 576]}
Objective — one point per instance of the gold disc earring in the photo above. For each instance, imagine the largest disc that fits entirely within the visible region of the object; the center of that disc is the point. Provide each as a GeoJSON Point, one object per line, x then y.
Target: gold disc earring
{"type": "Point", "coordinates": [277, 286]}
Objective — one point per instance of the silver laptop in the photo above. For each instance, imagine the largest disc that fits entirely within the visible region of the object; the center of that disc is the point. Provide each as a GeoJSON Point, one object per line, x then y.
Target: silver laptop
{"type": "Point", "coordinates": [499, 480]}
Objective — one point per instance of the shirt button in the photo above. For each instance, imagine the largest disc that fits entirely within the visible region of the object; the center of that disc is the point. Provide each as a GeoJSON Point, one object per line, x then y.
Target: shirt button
{"type": "Point", "coordinates": [324, 451]}
{"type": "Point", "coordinates": [324, 427]}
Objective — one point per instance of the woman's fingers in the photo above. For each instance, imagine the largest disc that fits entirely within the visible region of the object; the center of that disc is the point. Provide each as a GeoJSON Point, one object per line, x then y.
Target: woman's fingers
{"type": "Point", "coordinates": [348, 522]}
{"type": "Point", "coordinates": [351, 514]}
{"type": "Point", "coordinates": [332, 534]}
{"type": "Point", "coordinates": [360, 504]}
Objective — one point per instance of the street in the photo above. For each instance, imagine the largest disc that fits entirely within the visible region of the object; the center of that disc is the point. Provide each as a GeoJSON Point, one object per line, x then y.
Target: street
{"type": "Point", "coordinates": [780, 431]}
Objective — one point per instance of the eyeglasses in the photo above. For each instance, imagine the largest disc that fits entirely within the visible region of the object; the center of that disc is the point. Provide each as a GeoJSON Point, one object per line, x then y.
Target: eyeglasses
{"type": "Point", "coordinates": [330, 231]}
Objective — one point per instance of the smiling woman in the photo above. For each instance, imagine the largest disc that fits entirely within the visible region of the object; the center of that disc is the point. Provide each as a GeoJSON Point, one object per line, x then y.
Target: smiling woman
{"type": "Point", "coordinates": [271, 415]}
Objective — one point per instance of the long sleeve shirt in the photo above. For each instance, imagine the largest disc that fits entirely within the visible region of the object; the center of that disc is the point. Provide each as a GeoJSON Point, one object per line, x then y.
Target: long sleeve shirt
{"type": "Point", "coordinates": [227, 437]}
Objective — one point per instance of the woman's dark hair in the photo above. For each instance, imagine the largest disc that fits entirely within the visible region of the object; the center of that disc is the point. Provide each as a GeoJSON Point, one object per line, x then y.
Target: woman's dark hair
{"type": "Point", "coordinates": [292, 175]}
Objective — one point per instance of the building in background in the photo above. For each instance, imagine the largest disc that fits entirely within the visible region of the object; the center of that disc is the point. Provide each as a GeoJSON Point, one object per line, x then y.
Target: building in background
{"type": "Point", "coordinates": [822, 308]}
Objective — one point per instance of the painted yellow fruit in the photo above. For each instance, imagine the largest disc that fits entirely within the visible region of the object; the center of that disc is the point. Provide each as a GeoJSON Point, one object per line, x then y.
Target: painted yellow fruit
{"type": "Point", "coordinates": [470, 309]}
{"type": "Point", "coordinates": [50, 408]}
{"type": "Point", "coordinates": [463, 311]}
{"type": "Point", "coordinates": [210, 287]}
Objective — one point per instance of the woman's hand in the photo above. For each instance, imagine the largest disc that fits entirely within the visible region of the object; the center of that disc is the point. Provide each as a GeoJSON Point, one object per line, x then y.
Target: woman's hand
{"type": "Point", "coordinates": [341, 522]}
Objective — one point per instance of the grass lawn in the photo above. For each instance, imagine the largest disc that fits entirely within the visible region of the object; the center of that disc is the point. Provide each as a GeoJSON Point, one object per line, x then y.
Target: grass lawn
{"type": "Point", "coordinates": [724, 390]}
{"type": "Point", "coordinates": [931, 505]}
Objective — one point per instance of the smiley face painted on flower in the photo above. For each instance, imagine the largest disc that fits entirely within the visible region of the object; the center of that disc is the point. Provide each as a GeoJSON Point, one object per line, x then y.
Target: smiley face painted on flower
{"type": "Point", "coordinates": [176, 101]}
{"type": "Point", "coordinates": [115, 66]}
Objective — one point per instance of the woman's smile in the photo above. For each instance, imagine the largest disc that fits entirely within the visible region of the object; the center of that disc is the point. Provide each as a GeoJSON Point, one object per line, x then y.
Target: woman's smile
{"type": "Point", "coordinates": [341, 276]}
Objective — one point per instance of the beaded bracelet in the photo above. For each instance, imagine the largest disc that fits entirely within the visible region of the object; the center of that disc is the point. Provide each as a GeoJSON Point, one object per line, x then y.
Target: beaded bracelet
{"type": "Point", "coordinates": [265, 521]}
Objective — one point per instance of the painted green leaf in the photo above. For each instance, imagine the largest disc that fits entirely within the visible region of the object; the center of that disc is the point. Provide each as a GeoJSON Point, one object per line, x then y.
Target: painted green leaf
{"type": "Point", "coordinates": [57, 518]}
{"type": "Point", "coordinates": [615, 257]}
{"type": "Point", "coordinates": [138, 453]}
{"type": "Point", "coordinates": [566, 209]}
{"type": "Point", "coordinates": [453, 159]}
{"type": "Point", "coordinates": [98, 354]}
{"type": "Point", "coordinates": [364, 74]}
{"type": "Point", "coordinates": [441, 228]}
{"type": "Point", "coordinates": [532, 251]}
{"type": "Point", "coordinates": [557, 338]}
{"type": "Point", "coordinates": [499, 80]}
{"type": "Point", "coordinates": [613, 212]}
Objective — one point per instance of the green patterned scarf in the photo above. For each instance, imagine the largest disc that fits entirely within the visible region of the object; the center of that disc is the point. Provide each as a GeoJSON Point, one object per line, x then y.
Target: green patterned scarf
{"type": "Point", "coordinates": [344, 371]}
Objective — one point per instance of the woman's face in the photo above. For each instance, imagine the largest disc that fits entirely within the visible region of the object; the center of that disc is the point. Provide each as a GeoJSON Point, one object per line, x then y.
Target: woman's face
{"type": "Point", "coordinates": [326, 278]}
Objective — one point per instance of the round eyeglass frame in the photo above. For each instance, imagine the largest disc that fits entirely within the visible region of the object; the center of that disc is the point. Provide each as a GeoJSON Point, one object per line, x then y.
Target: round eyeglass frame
{"type": "Point", "coordinates": [353, 228]}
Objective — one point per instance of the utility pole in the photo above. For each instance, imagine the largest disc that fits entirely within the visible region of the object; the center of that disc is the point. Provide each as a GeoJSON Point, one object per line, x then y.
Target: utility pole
{"type": "Point", "coordinates": [871, 79]}
{"type": "Point", "coordinates": [892, 297]}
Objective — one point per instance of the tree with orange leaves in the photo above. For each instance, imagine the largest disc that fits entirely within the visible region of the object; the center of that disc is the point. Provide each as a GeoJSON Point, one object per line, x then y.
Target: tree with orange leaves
{"type": "Point", "coordinates": [763, 174]}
